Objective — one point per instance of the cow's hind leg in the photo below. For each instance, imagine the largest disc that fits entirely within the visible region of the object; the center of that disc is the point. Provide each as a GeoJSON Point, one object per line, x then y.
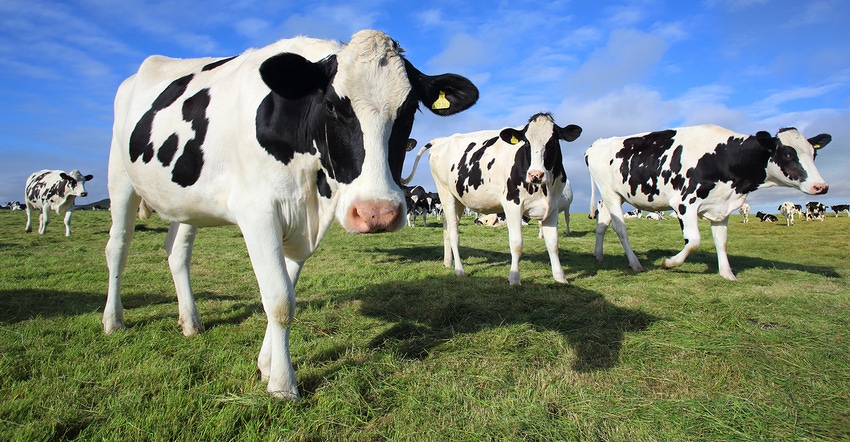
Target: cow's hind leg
{"type": "Point", "coordinates": [618, 223]}
{"type": "Point", "coordinates": [549, 229]}
{"type": "Point", "coordinates": [690, 231]}
{"type": "Point", "coordinates": [29, 209]}
{"type": "Point", "coordinates": [124, 203]}
{"type": "Point", "coordinates": [719, 232]}
{"type": "Point", "coordinates": [178, 247]}
{"type": "Point", "coordinates": [67, 222]}
{"type": "Point", "coordinates": [264, 242]}
{"type": "Point", "coordinates": [451, 236]}
{"type": "Point", "coordinates": [43, 219]}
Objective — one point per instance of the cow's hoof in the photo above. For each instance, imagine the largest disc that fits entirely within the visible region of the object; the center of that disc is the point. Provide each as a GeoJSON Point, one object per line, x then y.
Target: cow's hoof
{"type": "Point", "coordinates": [460, 273]}
{"type": "Point", "coordinates": [110, 328]}
{"type": "Point", "coordinates": [729, 276]}
{"type": "Point", "coordinates": [285, 395]}
{"type": "Point", "coordinates": [561, 280]}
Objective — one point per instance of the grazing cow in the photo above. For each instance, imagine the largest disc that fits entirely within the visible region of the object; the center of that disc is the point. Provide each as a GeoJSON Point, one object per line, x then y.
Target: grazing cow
{"type": "Point", "coordinates": [517, 171]}
{"type": "Point", "coordinates": [787, 210]}
{"type": "Point", "coordinates": [745, 212]}
{"type": "Point", "coordinates": [491, 220]}
{"type": "Point", "coordinates": [280, 141]}
{"type": "Point", "coordinates": [699, 171]}
{"type": "Point", "coordinates": [841, 208]}
{"type": "Point", "coordinates": [766, 217]}
{"type": "Point", "coordinates": [55, 190]}
{"type": "Point", "coordinates": [655, 216]}
{"type": "Point", "coordinates": [815, 210]}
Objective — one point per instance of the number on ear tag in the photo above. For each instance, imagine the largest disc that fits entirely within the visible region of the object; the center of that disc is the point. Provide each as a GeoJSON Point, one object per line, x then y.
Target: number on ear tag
{"type": "Point", "coordinates": [441, 102]}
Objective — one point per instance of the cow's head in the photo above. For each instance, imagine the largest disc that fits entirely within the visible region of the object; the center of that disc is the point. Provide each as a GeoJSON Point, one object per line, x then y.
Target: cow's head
{"type": "Point", "coordinates": [792, 158]}
{"type": "Point", "coordinates": [75, 183]}
{"type": "Point", "coordinates": [359, 106]}
{"type": "Point", "coordinates": [541, 136]}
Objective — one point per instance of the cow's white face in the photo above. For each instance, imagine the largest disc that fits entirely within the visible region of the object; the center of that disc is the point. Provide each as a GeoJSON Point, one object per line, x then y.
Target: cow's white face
{"type": "Point", "coordinates": [358, 105]}
{"type": "Point", "coordinates": [540, 139]}
{"type": "Point", "coordinates": [792, 161]}
{"type": "Point", "coordinates": [76, 183]}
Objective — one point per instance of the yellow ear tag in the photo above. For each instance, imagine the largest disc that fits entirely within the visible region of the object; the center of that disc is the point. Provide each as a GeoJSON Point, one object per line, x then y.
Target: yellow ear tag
{"type": "Point", "coordinates": [514, 140]}
{"type": "Point", "coordinates": [441, 102]}
{"type": "Point", "coordinates": [816, 146]}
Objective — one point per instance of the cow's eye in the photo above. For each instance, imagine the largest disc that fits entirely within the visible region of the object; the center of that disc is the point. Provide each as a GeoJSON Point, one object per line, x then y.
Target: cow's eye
{"type": "Point", "coordinates": [330, 106]}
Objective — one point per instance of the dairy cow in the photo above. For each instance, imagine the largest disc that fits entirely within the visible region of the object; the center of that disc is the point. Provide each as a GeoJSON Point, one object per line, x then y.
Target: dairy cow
{"type": "Point", "coordinates": [745, 212]}
{"type": "Point", "coordinates": [815, 211]}
{"type": "Point", "coordinates": [54, 190]}
{"type": "Point", "coordinates": [698, 171]}
{"type": "Point", "coordinates": [841, 208]}
{"type": "Point", "coordinates": [279, 141]}
{"type": "Point", "coordinates": [417, 201]}
{"type": "Point", "coordinates": [766, 217]}
{"type": "Point", "coordinates": [787, 210]}
{"type": "Point", "coordinates": [518, 171]}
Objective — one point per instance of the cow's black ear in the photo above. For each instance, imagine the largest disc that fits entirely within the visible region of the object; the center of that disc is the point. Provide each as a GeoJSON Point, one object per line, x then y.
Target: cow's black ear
{"type": "Point", "coordinates": [511, 135]}
{"type": "Point", "coordinates": [293, 76]}
{"type": "Point", "coordinates": [89, 177]}
{"type": "Point", "coordinates": [444, 94]}
{"type": "Point", "coordinates": [820, 141]}
{"type": "Point", "coordinates": [766, 140]}
{"type": "Point", "coordinates": [568, 133]}
{"type": "Point", "coordinates": [64, 176]}
{"type": "Point", "coordinates": [411, 143]}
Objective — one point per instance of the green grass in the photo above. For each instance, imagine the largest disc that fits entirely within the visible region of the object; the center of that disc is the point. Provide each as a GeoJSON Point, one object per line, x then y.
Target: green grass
{"type": "Point", "coordinates": [389, 344]}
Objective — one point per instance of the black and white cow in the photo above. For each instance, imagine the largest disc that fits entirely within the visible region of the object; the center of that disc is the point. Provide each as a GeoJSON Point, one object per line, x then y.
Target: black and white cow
{"type": "Point", "coordinates": [699, 171]}
{"type": "Point", "coordinates": [787, 210]}
{"type": "Point", "coordinates": [518, 171]}
{"type": "Point", "coordinates": [55, 190]}
{"type": "Point", "coordinates": [633, 214]}
{"type": "Point", "coordinates": [841, 208]}
{"type": "Point", "coordinates": [280, 141]}
{"type": "Point", "coordinates": [418, 204]}
{"type": "Point", "coordinates": [766, 217]}
{"type": "Point", "coordinates": [815, 211]}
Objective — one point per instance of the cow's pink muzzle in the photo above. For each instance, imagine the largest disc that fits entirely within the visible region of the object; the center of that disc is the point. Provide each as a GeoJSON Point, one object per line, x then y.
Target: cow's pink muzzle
{"type": "Point", "coordinates": [370, 217]}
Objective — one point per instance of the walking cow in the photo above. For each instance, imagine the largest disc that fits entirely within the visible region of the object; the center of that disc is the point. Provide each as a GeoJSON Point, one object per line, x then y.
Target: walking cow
{"type": "Point", "coordinates": [55, 190]}
{"type": "Point", "coordinates": [699, 171]}
{"type": "Point", "coordinates": [279, 141]}
{"type": "Point", "coordinates": [515, 171]}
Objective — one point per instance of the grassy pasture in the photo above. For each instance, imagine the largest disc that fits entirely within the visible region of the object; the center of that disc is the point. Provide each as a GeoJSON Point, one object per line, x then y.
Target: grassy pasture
{"type": "Point", "coordinates": [389, 344]}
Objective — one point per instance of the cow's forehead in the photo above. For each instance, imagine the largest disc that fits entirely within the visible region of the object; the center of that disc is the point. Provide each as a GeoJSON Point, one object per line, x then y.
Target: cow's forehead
{"type": "Point", "coordinates": [77, 175]}
{"type": "Point", "coordinates": [792, 137]}
{"type": "Point", "coordinates": [540, 130]}
{"type": "Point", "coordinates": [371, 73]}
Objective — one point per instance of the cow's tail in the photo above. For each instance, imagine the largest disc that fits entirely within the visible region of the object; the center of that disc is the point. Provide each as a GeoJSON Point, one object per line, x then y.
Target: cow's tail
{"type": "Point", "coordinates": [144, 210]}
{"type": "Point", "coordinates": [406, 181]}
{"type": "Point", "coordinates": [592, 213]}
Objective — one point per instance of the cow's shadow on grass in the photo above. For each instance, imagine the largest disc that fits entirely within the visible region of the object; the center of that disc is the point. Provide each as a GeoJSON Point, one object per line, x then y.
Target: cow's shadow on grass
{"type": "Point", "coordinates": [739, 264]}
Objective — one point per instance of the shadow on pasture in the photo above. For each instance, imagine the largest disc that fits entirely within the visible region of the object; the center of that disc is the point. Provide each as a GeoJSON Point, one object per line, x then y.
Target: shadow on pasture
{"type": "Point", "coordinates": [24, 304]}
{"type": "Point", "coordinates": [739, 263]}
{"type": "Point", "coordinates": [428, 312]}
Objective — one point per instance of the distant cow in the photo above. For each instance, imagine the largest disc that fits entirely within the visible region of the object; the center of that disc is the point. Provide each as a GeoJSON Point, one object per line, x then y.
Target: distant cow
{"type": "Point", "coordinates": [699, 171]}
{"type": "Point", "coordinates": [745, 212]}
{"type": "Point", "coordinates": [815, 211]}
{"type": "Point", "coordinates": [787, 210]}
{"type": "Point", "coordinates": [518, 171]}
{"type": "Point", "coordinates": [279, 141]}
{"type": "Point", "coordinates": [416, 198]}
{"type": "Point", "coordinates": [490, 220]}
{"type": "Point", "coordinates": [655, 216]}
{"type": "Point", "coordinates": [841, 208]}
{"type": "Point", "coordinates": [633, 214]}
{"type": "Point", "coordinates": [766, 217]}
{"type": "Point", "coordinates": [55, 190]}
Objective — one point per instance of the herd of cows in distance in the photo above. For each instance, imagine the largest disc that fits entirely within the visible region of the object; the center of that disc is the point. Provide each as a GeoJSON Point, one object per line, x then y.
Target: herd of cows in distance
{"type": "Point", "coordinates": [319, 132]}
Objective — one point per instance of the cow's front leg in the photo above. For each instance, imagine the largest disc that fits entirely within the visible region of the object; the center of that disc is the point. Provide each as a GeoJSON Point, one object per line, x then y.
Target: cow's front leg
{"type": "Point", "coordinates": [513, 218]}
{"type": "Point", "coordinates": [264, 361]}
{"type": "Point", "coordinates": [28, 227]}
{"type": "Point", "coordinates": [719, 232]}
{"type": "Point", "coordinates": [690, 231]}
{"type": "Point", "coordinates": [264, 242]}
{"type": "Point", "coordinates": [43, 219]}
{"type": "Point", "coordinates": [67, 222]}
{"type": "Point", "coordinates": [549, 230]}
{"type": "Point", "coordinates": [178, 247]}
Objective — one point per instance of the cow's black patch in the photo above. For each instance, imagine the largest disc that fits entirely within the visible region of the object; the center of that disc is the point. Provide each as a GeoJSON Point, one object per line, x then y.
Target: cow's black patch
{"type": "Point", "coordinates": [216, 64]}
{"type": "Point", "coordinates": [469, 173]}
{"type": "Point", "coordinates": [402, 126]}
{"type": "Point", "coordinates": [516, 179]}
{"type": "Point", "coordinates": [553, 160]}
{"type": "Point", "coordinates": [741, 162]}
{"type": "Point", "coordinates": [490, 142]}
{"type": "Point", "coordinates": [789, 163]}
{"type": "Point", "coordinates": [322, 184]}
{"type": "Point", "coordinates": [642, 161]}
{"type": "Point", "coordinates": [188, 167]}
{"type": "Point", "coordinates": [140, 139]}
{"type": "Point", "coordinates": [491, 163]}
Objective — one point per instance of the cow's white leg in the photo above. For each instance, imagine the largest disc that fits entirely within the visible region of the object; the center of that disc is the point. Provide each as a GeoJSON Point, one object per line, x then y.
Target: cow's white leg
{"type": "Point", "coordinates": [29, 210]}
{"type": "Point", "coordinates": [264, 361]}
{"type": "Point", "coordinates": [178, 247]}
{"type": "Point", "coordinates": [690, 231]}
{"type": "Point", "coordinates": [451, 236]}
{"type": "Point", "coordinates": [513, 219]}
{"type": "Point", "coordinates": [67, 221]}
{"type": "Point", "coordinates": [615, 212]}
{"type": "Point", "coordinates": [720, 233]}
{"type": "Point", "coordinates": [567, 221]}
{"type": "Point", "coordinates": [124, 203]}
{"type": "Point", "coordinates": [549, 229]}
{"type": "Point", "coordinates": [603, 219]}
{"type": "Point", "coordinates": [264, 242]}
{"type": "Point", "coordinates": [43, 219]}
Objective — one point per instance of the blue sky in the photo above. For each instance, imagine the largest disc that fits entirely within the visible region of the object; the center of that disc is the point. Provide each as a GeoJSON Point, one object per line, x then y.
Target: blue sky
{"type": "Point", "coordinates": [613, 68]}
